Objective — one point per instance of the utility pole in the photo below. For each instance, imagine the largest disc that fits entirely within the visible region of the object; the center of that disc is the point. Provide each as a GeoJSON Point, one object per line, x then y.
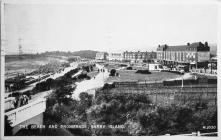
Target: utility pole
{"type": "Point", "coordinates": [20, 47]}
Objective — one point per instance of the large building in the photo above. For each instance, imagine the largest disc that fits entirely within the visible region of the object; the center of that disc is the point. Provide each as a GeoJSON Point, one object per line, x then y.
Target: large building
{"type": "Point", "coordinates": [197, 54]}
{"type": "Point", "coordinates": [139, 56]}
{"type": "Point", "coordinates": [115, 56]}
{"type": "Point", "coordinates": [101, 56]}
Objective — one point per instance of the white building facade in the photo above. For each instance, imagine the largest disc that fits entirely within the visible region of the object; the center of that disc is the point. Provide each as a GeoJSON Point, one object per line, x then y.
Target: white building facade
{"type": "Point", "coordinates": [115, 56]}
{"type": "Point", "coordinates": [101, 56]}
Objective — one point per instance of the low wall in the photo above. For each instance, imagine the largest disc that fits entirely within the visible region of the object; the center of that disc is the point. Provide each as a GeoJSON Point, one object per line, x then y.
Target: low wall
{"type": "Point", "coordinates": [37, 120]}
{"type": "Point", "coordinates": [30, 113]}
{"type": "Point", "coordinates": [26, 112]}
{"type": "Point", "coordinates": [167, 95]}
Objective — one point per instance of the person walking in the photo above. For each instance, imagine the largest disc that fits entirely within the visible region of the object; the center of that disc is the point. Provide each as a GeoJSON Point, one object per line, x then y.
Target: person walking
{"type": "Point", "coordinates": [25, 99]}
{"type": "Point", "coordinates": [13, 102]}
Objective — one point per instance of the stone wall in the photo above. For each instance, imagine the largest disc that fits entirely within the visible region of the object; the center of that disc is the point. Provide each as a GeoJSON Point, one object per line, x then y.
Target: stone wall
{"type": "Point", "coordinates": [167, 95]}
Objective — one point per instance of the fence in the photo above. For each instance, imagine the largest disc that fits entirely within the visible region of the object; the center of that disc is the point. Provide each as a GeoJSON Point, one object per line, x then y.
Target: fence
{"type": "Point", "coordinates": [202, 80]}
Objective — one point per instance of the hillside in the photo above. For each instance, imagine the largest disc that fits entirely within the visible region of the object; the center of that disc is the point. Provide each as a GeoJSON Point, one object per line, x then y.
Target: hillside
{"type": "Point", "coordinates": [85, 54]}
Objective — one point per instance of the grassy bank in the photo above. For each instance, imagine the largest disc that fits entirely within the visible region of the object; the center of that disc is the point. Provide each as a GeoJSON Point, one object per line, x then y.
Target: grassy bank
{"type": "Point", "coordinates": [131, 75]}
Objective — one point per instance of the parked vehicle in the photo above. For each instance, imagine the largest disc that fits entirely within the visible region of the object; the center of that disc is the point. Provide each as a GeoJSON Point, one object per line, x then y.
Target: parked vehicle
{"type": "Point", "coordinates": [155, 67]}
{"type": "Point", "coordinates": [183, 68]}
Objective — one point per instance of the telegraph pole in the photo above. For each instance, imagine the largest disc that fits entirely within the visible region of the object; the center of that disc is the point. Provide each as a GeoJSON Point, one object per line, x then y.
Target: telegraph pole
{"type": "Point", "coordinates": [20, 52]}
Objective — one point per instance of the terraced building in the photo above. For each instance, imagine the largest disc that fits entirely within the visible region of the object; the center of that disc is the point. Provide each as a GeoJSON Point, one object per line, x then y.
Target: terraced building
{"type": "Point", "coordinates": [196, 54]}
{"type": "Point", "coordinates": [139, 56]}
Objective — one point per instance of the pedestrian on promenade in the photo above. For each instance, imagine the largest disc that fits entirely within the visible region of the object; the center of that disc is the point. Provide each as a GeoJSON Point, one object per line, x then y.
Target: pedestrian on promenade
{"type": "Point", "coordinates": [13, 102]}
{"type": "Point", "coordinates": [19, 101]}
{"type": "Point", "coordinates": [25, 99]}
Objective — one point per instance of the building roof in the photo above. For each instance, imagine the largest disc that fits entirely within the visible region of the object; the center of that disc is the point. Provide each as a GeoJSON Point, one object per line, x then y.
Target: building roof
{"type": "Point", "coordinates": [197, 45]}
{"type": "Point", "coordinates": [138, 52]}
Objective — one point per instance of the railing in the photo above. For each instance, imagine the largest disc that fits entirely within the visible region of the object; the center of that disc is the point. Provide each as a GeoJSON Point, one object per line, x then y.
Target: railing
{"type": "Point", "coordinates": [26, 112]}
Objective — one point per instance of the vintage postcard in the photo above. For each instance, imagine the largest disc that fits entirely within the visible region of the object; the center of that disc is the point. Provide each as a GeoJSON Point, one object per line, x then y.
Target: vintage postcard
{"type": "Point", "coordinates": [102, 68]}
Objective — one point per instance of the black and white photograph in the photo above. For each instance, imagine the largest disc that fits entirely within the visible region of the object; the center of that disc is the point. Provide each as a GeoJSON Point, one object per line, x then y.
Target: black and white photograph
{"type": "Point", "coordinates": [102, 68]}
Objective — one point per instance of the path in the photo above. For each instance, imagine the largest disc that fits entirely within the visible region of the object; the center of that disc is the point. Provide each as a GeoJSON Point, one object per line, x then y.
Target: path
{"type": "Point", "coordinates": [93, 83]}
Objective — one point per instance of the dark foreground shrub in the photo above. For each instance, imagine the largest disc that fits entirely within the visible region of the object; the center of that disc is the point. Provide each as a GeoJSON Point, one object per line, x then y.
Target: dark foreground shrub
{"type": "Point", "coordinates": [129, 68]}
{"type": "Point", "coordinates": [143, 72]}
{"type": "Point", "coordinates": [112, 72]}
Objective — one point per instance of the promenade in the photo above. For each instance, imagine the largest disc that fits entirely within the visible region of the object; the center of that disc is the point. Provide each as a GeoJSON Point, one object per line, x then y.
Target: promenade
{"type": "Point", "coordinates": [93, 83]}
{"type": "Point", "coordinates": [73, 65]}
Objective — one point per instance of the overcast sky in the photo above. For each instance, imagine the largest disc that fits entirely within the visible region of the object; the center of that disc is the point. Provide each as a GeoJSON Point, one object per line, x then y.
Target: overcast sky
{"type": "Point", "coordinates": [114, 27]}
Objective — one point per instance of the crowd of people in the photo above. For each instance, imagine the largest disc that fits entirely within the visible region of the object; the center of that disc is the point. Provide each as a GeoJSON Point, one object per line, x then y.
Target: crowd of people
{"type": "Point", "coordinates": [19, 100]}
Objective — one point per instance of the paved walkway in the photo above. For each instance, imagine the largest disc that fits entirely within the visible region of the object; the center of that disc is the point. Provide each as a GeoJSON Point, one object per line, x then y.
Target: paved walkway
{"type": "Point", "coordinates": [185, 76]}
{"type": "Point", "coordinates": [93, 83]}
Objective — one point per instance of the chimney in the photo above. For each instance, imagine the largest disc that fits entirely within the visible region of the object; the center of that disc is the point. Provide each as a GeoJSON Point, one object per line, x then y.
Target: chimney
{"type": "Point", "coordinates": [188, 44]}
{"type": "Point", "coordinates": [206, 44]}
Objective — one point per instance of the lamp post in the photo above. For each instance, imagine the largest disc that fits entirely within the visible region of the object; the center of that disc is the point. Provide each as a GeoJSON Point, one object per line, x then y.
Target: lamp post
{"type": "Point", "coordinates": [182, 81]}
{"type": "Point", "coordinates": [196, 65]}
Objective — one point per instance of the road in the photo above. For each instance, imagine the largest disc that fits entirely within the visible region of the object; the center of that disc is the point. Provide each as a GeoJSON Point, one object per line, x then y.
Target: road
{"type": "Point", "coordinates": [93, 83]}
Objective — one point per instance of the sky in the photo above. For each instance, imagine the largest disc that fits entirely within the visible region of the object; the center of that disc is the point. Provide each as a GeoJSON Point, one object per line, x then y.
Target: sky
{"type": "Point", "coordinates": [106, 27]}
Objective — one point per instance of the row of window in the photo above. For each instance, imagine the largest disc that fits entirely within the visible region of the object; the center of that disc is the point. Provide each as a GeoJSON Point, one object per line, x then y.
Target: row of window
{"type": "Point", "coordinates": [177, 56]}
